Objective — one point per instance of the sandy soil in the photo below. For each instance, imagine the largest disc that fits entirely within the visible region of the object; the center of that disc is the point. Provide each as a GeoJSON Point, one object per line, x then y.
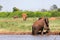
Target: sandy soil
{"type": "Point", "coordinates": [52, 18]}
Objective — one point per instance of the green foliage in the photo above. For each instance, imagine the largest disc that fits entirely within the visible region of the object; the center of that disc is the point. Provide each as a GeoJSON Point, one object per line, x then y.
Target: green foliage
{"type": "Point", "coordinates": [37, 14]}
{"type": "Point", "coordinates": [17, 13]}
{"type": "Point", "coordinates": [30, 14]}
{"type": "Point", "coordinates": [55, 14]}
{"type": "Point", "coordinates": [47, 14]}
{"type": "Point", "coordinates": [3, 14]}
{"type": "Point", "coordinates": [58, 9]}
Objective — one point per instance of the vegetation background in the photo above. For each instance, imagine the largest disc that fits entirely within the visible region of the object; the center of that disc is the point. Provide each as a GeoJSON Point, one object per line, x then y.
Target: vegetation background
{"type": "Point", "coordinates": [8, 23]}
{"type": "Point", "coordinates": [53, 12]}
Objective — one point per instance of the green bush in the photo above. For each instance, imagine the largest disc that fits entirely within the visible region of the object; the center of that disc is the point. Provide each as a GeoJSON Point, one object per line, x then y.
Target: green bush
{"type": "Point", "coordinates": [17, 13]}
{"type": "Point", "coordinates": [3, 14]}
{"type": "Point", "coordinates": [30, 14]}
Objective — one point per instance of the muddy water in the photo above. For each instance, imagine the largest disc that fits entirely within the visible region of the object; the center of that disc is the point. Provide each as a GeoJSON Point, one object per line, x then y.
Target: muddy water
{"type": "Point", "coordinates": [29, 37]}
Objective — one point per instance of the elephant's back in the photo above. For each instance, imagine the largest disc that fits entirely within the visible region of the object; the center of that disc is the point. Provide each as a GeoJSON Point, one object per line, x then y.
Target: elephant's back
{"type": "Point", "coordinates": [38, 23]}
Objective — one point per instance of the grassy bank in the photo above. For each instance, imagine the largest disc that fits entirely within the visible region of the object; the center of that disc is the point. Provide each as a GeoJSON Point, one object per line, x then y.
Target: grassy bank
{"type": "Point", "coordinates": [10, 24]}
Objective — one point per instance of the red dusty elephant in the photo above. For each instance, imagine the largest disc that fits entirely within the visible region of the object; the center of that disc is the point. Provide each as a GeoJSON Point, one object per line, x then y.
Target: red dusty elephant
{"type": "Point", "coordinates": [24, 16]}
{"type": "Point", "coordinates": [40, 25]}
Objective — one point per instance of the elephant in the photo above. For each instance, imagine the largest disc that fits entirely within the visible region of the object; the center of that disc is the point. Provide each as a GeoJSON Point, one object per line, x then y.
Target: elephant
{"type": "Point", "coordinates": [24, 16]}
{"type": "Point", "coordinates": [15, 17]}
{"type": "Point", "coordinates": [40, 25]}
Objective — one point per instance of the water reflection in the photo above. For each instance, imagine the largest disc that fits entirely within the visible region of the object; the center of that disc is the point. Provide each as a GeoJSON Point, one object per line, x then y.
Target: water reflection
{"type": "Point", "coordinates": [29, 37]}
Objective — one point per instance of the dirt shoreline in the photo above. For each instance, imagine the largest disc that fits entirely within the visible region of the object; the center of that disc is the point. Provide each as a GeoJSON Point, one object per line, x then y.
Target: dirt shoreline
{"type": "Point", "coordinates": [26, 33]}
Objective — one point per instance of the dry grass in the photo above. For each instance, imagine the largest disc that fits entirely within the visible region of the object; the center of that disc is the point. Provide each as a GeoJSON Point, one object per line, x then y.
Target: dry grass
{"type": "Point", "coordinates": [18, 25]}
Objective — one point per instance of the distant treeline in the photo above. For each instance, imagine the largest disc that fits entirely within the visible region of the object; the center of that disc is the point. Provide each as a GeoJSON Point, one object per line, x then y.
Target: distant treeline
{"type": "Point", "coordinates": [30, 14]}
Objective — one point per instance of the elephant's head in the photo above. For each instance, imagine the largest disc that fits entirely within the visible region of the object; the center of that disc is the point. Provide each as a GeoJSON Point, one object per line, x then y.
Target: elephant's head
{"type": "Point", "coordinates": [24, 16]}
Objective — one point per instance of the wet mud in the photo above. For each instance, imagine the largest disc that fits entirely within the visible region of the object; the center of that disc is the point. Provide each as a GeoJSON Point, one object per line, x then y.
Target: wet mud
{"type": "Point", "coordinates": [27, 33]}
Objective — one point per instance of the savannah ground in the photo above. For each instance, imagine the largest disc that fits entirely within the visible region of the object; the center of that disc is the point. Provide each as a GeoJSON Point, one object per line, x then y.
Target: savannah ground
{"type": "Point", "coordinates": [18, 26]}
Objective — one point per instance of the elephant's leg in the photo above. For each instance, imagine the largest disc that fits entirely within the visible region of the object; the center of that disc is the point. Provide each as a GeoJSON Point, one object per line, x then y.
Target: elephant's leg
{"type": "Point", "coordinates": [25, 19]}
{"type": "Point", "coordinates": [42, 31]}
{"type": "Point", "coordinates": [32, 31]}
{"type": "Point", "coordinates": [36, 31]}
{"type": "Point", "coordinates": [48, 30]}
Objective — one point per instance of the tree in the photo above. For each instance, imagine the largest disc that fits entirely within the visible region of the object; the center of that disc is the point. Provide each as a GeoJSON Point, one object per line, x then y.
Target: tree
{"type": "Point", "coordinates": [54, 7]}
{"type": "Point", "coordinates": [15, 9]}
{"type": "Point", "coordinates": [43, 10]}
{"type": "Point", "coordinates": [58, 9]}
{"type": "Point", "coordinates": [0, 7]}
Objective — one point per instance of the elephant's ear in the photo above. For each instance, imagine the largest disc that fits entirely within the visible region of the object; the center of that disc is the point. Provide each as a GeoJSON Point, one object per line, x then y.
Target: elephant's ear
{"type": "Point", "coordinates": [46, 21]}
